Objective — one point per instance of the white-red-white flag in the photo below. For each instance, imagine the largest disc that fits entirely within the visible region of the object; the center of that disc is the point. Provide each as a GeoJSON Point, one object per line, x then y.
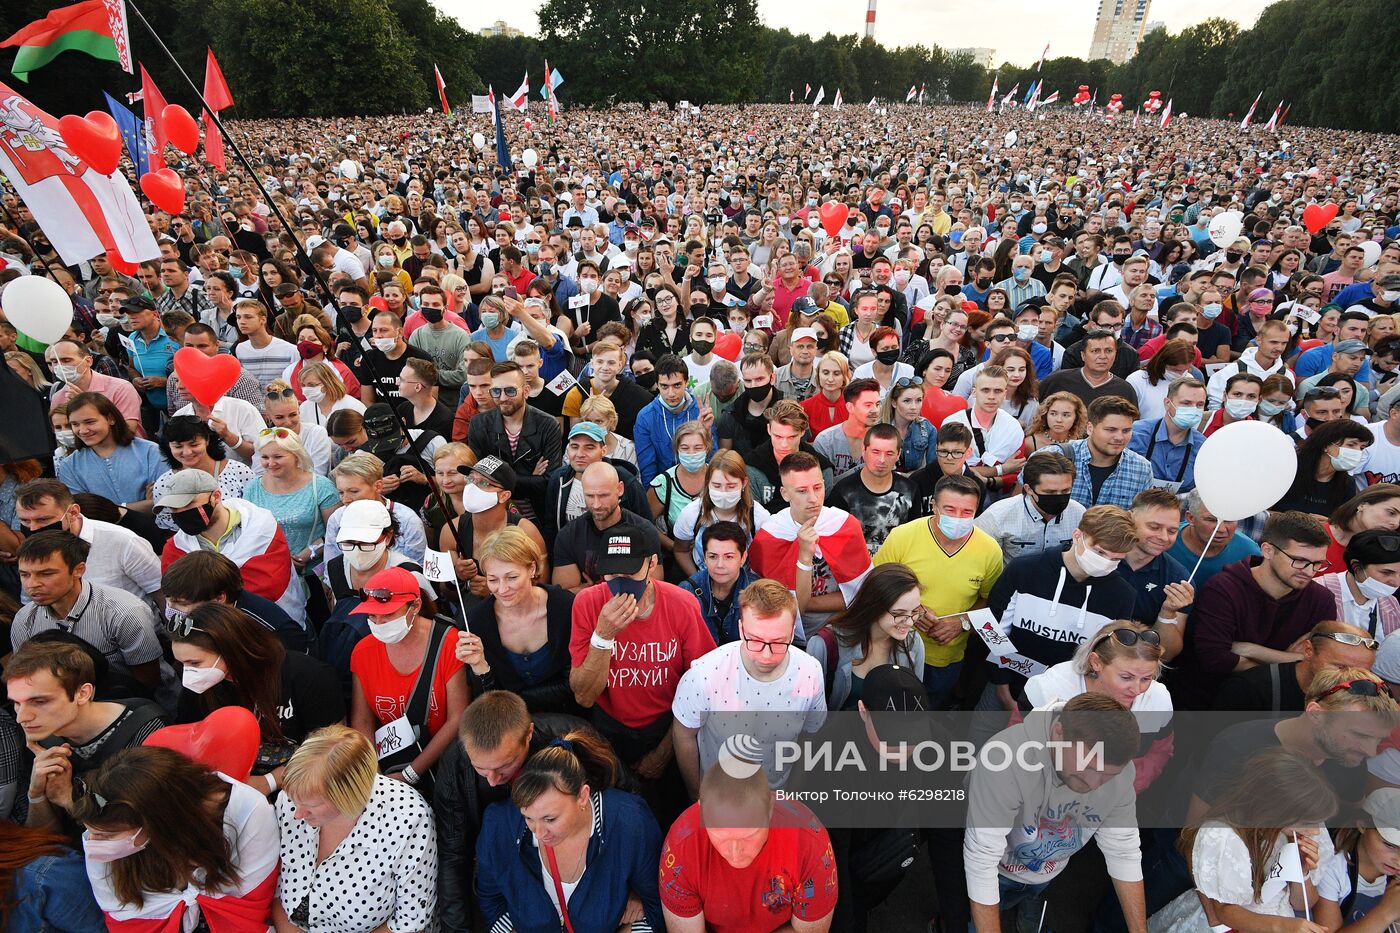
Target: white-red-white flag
{"type": "Point", "coordinates": [1244, 124]}
{"type": "Point", "coordinates": [836, 101]}
{"type": "Point", "coordinates": [83, 212]}
{"type": "Point", "coordinates": [1054, 96]}
{"type": "Point", "coordinates": [871, 105]}
{"type": "Point", "coordinates": [992, 97]}
{"type": "Point", "coordinates": [521, 98]}
{"type": "Point", "coordinates": [1167, 114]}
{"type": "Point", "coordinates": [1272, 125]}
{"type": "Point", "coordinates": [840, 546]}
{"type": "Point", "coordinates": [913, 93]}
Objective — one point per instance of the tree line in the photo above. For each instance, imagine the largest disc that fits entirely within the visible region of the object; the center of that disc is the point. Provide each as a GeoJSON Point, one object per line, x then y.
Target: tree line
{"type": "Point", "coordinates": [1327, 58]}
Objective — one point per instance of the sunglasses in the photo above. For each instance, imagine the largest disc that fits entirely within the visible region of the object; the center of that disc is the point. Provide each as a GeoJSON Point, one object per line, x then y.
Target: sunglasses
{"type": "Point", "coordinates": [280, 393]}
{"type": "Point", "coordinates": [180, 624]}
{"type": "Point", "coordinates": [507, 391]}
{"type": "Point", "coordinates": [1128, 637]}
{"type": "Point", "coordinates": [1359, 688]}
{"type": "Point", "coordinates": [905, 382]}
{"type": "Point", "coordinates": [386, 596]}
{"type": "Point", "coordinates": [279, 433]}
{"type": "Point", "coordinates": [1002, 338]}
{"type": "Point", "coordinates": [1325, 392]}
{"type": "Point", "coordinates": [1347, 638]}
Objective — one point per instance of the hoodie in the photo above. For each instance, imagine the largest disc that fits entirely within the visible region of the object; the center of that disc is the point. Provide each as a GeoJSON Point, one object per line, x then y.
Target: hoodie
{"type": "Point", "coordinates": [1215, 389]}
{"type": "Point", "coordinates": [1230, 608]}
{"type": "Point", "coordinates": [1025, 823]}
{"type": "Point", "coordinates": [655, 428]}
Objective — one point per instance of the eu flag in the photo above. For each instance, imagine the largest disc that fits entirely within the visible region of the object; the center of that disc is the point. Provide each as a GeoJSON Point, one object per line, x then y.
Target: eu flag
{"type": "Point", "coordinates": [133, 133]}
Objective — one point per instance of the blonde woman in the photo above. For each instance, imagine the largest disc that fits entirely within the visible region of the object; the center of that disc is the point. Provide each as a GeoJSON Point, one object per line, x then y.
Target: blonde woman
{"type": "Point", "coordinates": [827, 407]}
{"type": "Point", "coordinates": [325, 393]}
{"type": "Point", "coordinates": [600, 410]}
{"type": "Point", "coordinates": [361, 476]}
{"type": "Point", "coordinates": [335, 803]}
{"type": "Point", "coordinates": [299, 497]}
{"type": "Point", "coordinates": [23, 366]}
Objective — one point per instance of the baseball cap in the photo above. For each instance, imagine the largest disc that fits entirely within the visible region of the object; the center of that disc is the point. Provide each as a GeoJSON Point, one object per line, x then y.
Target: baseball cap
{"type": "Point", "coordinates": [285, 289]}
{"type": "Point", "coordinates": [362, 520]}
{"type": "Point", "coordinates": [889, 694]}
{"type": "Point", "coordinates": [804, 305]}
{"type": "Point", "coordinates": [1351, 346]}
{"type": "Point", "coordinates": [803, 333]}
{"type": "Point", "coordinates": [1383, 804]}
{"type": "Point", "coordinates": [1390, 282]}
{"type": "Point", "coordinates": [495, 469]}
{"type": "Point", "coordinates": [631, 228]}
{"type": "Point", "coordinates": [186, 486]}
{"type": "Point", "coordinates": [138, 303]}
{"type": "Point", "coordinates": [388, 591]}
{"type": "Point", "coordinates": [588, 429]}
{"type": "Point", "coordinates": [625, 549]}
{"type": "Point", "coordinates": [314, 241]}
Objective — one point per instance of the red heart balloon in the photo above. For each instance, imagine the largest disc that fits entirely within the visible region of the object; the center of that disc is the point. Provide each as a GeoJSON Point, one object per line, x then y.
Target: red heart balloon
{"type": "Point", "coordinates": [165, 189]}
{"type": "Point", "coordinates": [1317, 216]}
{"type": "Point", "coordinates": [180, 128]}
{"type": "Point", "coordinates": [226, 740]}
{"type": "Point", "coordinates": [95, 139]}
{"type": "Point", "coordinates": [206, 378]}
{"type": "Point", "coordinates": [833, 215]}
{"type": "Point", "coordinates": [729, 345]}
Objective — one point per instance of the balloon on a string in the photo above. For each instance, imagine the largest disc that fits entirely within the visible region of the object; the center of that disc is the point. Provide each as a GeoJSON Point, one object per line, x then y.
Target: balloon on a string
{"type": "Point", "coordinates": [206, 378]}
{"type": "Point", "coordinates": [1225, 228]}
{"type": "Point", "coordinates": [180, 128]}
{"type": "Point", "coordinates": [1317, 216]}
{"type": "Point", "coordinates": [478, 141]}
{"type": "Point", "coordinates": [1244, 468]}
{"type": "Point", "coordinates": [529, 157]}
{"type": "Point", "coordinates": [38, 307]}
{"type": "Point", "coordinates": [226, 740]}
{"type": "Point", "coordinates": [1372, 251]}
{"type": "Point", "coordinates": [349, 169]}
{"type": "Point", "coordinates": [165, 189]}
{"type": "Point", "coordinates": [94, 138]}
{"type": "Point", "coordinates": [833, 215]}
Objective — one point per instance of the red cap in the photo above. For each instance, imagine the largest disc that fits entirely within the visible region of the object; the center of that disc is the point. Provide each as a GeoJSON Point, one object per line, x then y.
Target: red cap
{"type": "Point", "coordinates": [970, 306]}
{"type": "Point", "coordinates": [388, 591]}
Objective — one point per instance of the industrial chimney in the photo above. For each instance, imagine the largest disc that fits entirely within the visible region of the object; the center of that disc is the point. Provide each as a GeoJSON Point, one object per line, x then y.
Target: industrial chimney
{"type": "Point", "coordinates": [870, 20]}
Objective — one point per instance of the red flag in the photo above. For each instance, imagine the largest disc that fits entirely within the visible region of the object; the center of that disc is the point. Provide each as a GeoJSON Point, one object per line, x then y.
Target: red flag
{"type": "Point", "coordinates": [216, 92]}
{"type": "Point", "coordinates": [213, 144]}
{"type": "Point", "coordinates": [442, 91]}
{"type": "Point", "coordinates": [154, 103]}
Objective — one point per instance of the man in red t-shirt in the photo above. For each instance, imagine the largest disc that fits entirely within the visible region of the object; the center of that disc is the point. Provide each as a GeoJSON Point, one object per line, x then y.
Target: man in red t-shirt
{"type": "Point", "coordinates": [633, 638]}
{"type": "Point", "coordinates": [740, 861]}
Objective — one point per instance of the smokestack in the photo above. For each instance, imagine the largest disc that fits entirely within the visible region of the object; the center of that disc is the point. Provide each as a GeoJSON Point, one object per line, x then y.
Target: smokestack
{"type": "Point", "coordinates": [870, 20]}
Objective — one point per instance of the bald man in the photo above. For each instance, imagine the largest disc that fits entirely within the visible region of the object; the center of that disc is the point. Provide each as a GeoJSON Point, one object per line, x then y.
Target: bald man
{"type": "Point", "coordinates": [582, 541]}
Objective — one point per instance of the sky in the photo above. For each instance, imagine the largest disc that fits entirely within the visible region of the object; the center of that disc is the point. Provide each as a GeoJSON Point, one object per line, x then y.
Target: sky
{"type": "Point", "coordinates": [948, 24]}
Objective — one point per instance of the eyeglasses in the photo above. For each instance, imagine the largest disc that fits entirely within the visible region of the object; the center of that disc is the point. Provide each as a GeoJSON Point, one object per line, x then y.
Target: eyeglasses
{"type": "Point", "coordinates": [1359, 688]}
{"type": "Point", "coordinates": [950, 454]}
{"type": "Point", "coordinates": [758, 645]}
{"type": "Point", "coordinates": [1302, 563]}
{"type": "Point", "coordinates": [1347, 638]}
{"type": "Point", "coordinates": [1100, 332]}
{"type": "Point", "coordinates": [357, 545]}
{"type": "Point", "coordinates": [1128, 637]}
{"type": "Point", "coordinates": [387, 596]}
{"type": "Point", "coordinates": [907, 615]}
{"type": "Point", "coordinates": [507, 391]}
{"type": "Point", "coordinates": [280, 393]}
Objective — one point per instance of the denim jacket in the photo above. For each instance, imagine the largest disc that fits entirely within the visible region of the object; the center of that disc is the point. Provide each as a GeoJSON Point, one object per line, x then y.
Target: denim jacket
{"type": "Point", "coordinates": [727, 629]}
{"type": "Point", "coordinates": [919, 445]}
{"type": "Point", "coordinates": [52, 892]}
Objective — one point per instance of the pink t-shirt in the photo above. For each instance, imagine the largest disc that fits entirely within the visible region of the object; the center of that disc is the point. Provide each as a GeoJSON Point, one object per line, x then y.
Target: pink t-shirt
{"type": "Point", "coordinates": [122, 393]}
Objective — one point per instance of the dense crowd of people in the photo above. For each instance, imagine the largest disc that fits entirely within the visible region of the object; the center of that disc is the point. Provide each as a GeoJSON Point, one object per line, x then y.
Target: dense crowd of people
{"type": "Point", "coordinates": [529, 482]}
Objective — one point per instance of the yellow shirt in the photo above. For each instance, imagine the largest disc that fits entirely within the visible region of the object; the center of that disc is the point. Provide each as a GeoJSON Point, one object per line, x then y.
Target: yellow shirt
{"type": "Point", "coordinates": [951, 582]}
{"type": "Point", "coordinates": [838, 313]}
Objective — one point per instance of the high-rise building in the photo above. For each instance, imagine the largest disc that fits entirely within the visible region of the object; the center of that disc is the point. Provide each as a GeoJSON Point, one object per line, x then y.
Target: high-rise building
{"type": "Point", "coordinates": [979, 54]}
{"type": "Point", "coordinates": [1118, 29]}
{"type": "Point", "coordinates": [1153, 26]}
{"type": "Point", "coordinates": [499, 28]}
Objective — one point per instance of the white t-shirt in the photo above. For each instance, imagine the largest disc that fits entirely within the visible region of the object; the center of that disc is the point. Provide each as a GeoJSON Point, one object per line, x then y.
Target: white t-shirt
{"type": "Point", "coordinates": [1382, 461]}
{"type": "Point", "coordinates": [867, 371]}
{"type": "Point", "coordinates": [1003, 438]}
{"type": "Point", "coordinates": [311, 415]}
{"type": "Point", "coordinates": [268, 363]}
{"type": "Point", "coordinates": [690, 515]}
{"type": "Point", "coordinates": [242, 418]}
{"type": "Point", "coordinates": [699, 372]}
{"type": "Point", "coordinates": [1151, 399]}
{"type": "Point", "coordinates": [767, 711]}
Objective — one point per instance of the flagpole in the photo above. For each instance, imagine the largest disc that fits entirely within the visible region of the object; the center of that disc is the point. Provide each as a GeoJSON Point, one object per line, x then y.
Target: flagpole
{"type": "Point", "coordinates": [316, 271]}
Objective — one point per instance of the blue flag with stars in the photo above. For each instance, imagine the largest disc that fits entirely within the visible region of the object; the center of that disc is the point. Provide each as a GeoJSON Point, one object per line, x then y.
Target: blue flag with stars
{"type": "Point", "coordinates": [133, 132]}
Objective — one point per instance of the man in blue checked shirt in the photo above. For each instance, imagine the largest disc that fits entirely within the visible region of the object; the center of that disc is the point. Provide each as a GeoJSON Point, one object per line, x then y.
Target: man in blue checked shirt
{"type": "Point", "coordinates": [1170, 443]}
{"type": "Point", "coordinates": [1106, 472]}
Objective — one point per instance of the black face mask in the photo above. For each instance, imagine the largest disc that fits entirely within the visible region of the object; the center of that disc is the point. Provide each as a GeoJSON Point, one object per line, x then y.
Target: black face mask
{"type": "Point", "coordinates": [1119, 259]}
{"type": "Point", "coordinates": [398, 240]}
{"type": "Point", "coordinates": [888, 357]}
{"type": "Point", "coordinates": [1313, 424]}
{"type": "Point", "coordinates": [647, 381]}
{"type": "Point", "coordinates": [353, 313]}
{"type": "Point", "coordinates": [757, 393]}
{"type": "Point", "coordinates": [51, 526]}
{"type": "Point", "coordinates": [432, 315]}
{"type": "Point", "coordinates": [983, 284]}
{"type": "Point", "coordinates": [193, 521]}
{"type": "Point", "coordinates": [952, 289]}
{"type": "Point", "coordinates": [1052, 503]}
{"type": "Point", "coordinates": [1233, 256]}
{"type": "Point", "coordinates": [701, 347]}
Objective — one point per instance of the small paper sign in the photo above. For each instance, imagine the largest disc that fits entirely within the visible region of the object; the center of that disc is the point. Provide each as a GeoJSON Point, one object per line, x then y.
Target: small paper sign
{"type": "Point", "coordinates": [578, 301]}
{"type": "Point", "coordinates": [393, 737]}
{"type": "Point", "coordinates": [438, 566]}
{"type": "Point", "coordinates": [985, 624]}
{"type": "Point", "coordinates": [562, 382]}
{"type": "Point", "coordinates": [1020, 664]}
{"type": "Point", "coordinates": [763, 322]}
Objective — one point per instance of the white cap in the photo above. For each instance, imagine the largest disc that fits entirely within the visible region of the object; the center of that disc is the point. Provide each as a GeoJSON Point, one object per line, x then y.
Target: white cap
{"type": "Point", "coordinates": [1383, 804]}
{"type": "Point", "coordinates": [314, 241]}
{"type": "Point", "coordinates": [803, 333]}
{"type": "Point", "coordinates": [362, 520]}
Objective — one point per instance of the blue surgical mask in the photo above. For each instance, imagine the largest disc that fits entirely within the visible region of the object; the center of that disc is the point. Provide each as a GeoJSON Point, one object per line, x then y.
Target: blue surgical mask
{"type": "Point", "coordinates": [691, 462]}
{"type": "Point", "coordinates": [634, 588]}
{"type": "Point", "coordinates": [954, 528]}
{"type": "Point", "coordinates": [1212, 310]}
{"type": "Point", "coordinates": [1021, 274]}
{"type": "Point", "coordinates": [490, 319]}
{"type": "Point", "coordinates": [1187, 417]}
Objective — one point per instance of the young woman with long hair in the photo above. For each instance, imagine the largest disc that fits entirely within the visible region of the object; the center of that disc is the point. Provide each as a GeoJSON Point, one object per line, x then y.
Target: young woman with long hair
{"type": "Point", "coordinates": [726, 496]}
{"type": "Point", "coordinates": [877, 628]}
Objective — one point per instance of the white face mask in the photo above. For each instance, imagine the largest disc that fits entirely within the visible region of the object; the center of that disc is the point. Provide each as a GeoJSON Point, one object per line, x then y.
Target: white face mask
{"type": "Point", "coordinates": [384, 344]}
{"type": "Point", "coordinates": [65, 438]}
{"type": "Point", "coordinates": [1372, 588]}
{"type": "Point", "coordinates": [1093, 563]}
{"type": "Point", "coordinates": [477, 500]}
{"type": "Point", "coordinates": [386, 261]}
{"type": "Point", "coordinates": [202, 679]}
{"type": "Point", "coordinates": [1241, 408]}
{"type": "Point", "coordinates": [363, 560]}
{"type": "Point", "coordinates": [717, 284]}
{"type": "Point", "coordinates": [724, 499]}
{"type": "Point", "coordinates": [313, 393]}
{"type": "Point", "coordinates": [64, 373]}
{"type": "Point", "coordinates": [1347, 459]}
{"type": "Point", "coordinates": [589, 286]}
{"type": "Point", "coordinates": [391, 631]}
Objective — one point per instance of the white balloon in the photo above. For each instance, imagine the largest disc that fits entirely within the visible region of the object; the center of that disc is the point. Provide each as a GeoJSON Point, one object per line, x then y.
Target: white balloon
{"type": "Point", "coordinates": [1225, 227]}
{"type": "Point", "coordinates": [1244, 468]}
{"type": "Point", "coordinates": [529, 157]}
{"type": "Point", "coordinates": [1010, 138]}
{"type": "Point", "coordinates": [1372, 249]}
{"type": "Point", "coordinates": [38, 307]}
{"type": "Point", "coordinates": [348, 169]}
{"type": "Point", "coordinates": [478, 140]}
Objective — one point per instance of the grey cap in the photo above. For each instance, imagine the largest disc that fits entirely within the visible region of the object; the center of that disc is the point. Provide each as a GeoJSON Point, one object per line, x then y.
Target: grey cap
{"type": "Point", "coordinates": [1351, 346]}
{"type": "Point", "coordinates": [186, 486]}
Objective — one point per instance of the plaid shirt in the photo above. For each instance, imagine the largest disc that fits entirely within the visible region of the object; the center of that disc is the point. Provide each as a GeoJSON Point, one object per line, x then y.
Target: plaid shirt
{"type": "Point", "coordinates": [1135, 337]}
{"type": "Point", "coordinates": [195, 303]}
{"type": "Point", "coordinates": [1019, 294]}
{"type": "Point", "coordinates": [1131, 476]}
